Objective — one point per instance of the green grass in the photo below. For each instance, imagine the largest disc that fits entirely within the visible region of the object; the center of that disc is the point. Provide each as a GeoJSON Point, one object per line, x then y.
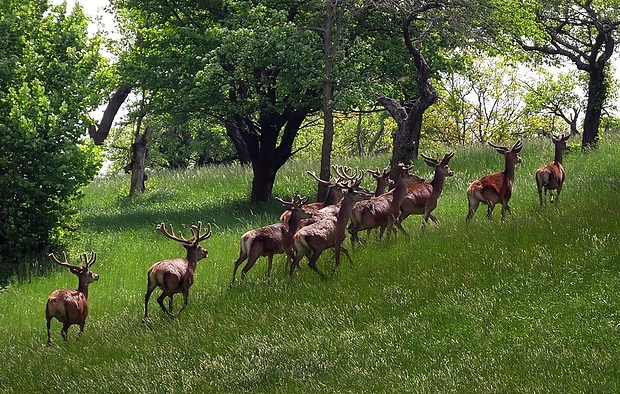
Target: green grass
{"type": "Point", "coordinates": [528, 305]}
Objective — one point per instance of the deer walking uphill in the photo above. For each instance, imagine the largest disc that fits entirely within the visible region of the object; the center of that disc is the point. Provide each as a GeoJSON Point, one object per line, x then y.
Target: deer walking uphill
{"type": "Point", "coordinates": [273, 239]}
{"type": "Point", "coordinates": [71, 306]}
{"type": "Point", "coordinates": [551, 177]}
{"type": "Point", "coordinates": [329, 232]}
{"type": "Point", "coordinates": [421, 198]}
{"type": "Point", "coordinates": [383, 210]}
{"type": "Point", "coordinates": [497, 187]}
{"type": "Point", "coordinates": [176, 275]}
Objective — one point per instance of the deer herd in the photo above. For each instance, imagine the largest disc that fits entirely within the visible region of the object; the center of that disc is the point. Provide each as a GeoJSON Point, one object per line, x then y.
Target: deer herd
{"type": "Point", "coordinates": [306, 230]}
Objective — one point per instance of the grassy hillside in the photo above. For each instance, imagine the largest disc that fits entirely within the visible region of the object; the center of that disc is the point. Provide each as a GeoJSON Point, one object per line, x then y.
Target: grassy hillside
{"type": "Point", "coordinates": [528, 305]}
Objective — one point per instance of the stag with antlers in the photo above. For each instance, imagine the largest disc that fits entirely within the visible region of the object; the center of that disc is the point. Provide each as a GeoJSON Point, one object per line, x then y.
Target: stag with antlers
{"type": "Point", "coordinates": [71, 306]}
{"type": "Point", "coordinates": [276, 238]}
{"type": "Point", "coordinates": [382, 211]}
{"type": "Point", "coordinates": [176, 275]}
{"type": "Point", "coordinates": [421, 198]}
{"type": "Point", "coordinates": [329, 232]}
{"type": "Point", "coordinates": [551, 177]}
{"type": "Point", "coordinates": [495, 188]}
{"type": "Point", "coordinates": [332, 198]}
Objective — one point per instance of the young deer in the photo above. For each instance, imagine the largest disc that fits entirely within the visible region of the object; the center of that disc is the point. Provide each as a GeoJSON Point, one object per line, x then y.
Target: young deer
{"type": "Point", "coordinates": [497, 187]}
{"type": "Point", "coordinates": [71, 306]}
{"type": "Point", "coordinates": [333, 196]}
{"type": "Point", "coordinates": [382, 211]}
{"type": "Point", "coordinates": [551, 177]}
{"type": "Point", "coordinates": [330, 231]}
{"type": "Point", "coordinates": [422, 197]}
{"type": "Point", "coordinates": [176, 275]}
{"type": "Point", "coordinates": [273, 239]}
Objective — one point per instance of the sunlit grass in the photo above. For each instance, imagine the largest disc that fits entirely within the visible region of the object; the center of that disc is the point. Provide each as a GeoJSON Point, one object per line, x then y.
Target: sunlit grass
{"type": "Point", "coordinates": [528, 305]}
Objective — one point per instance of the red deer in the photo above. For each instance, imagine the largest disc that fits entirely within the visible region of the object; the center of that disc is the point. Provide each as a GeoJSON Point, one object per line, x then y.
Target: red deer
{"type": "Point", "coordinates": [384, 209]}
{"type": "Point", "coordinates": [383, 180]}
{"type": "Point", "coordinates": [333, 196]}
{"type": "Point", "coordinates": [273, 239]}
{"type": "Point", "coordinates": [422, 197]}
{"type": "Point", "coordinates": [71, 306]}
{"type": "Point", "coordinates": [176, 275]}
{"type": "Point", "coordinates": [330, 231]}
{"type": "Point", "coordinates": [551, 177]}
{"type": "Point", "coordinates": [497, 187]}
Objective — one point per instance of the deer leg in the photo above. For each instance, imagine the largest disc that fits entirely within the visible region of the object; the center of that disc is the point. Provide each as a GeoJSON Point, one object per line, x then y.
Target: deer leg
{"type": "Point", "coordinates": [160, 301]}
{"type": "Point", "coordinates": [170, 302]}
{"type": "Point", "coordinates": [558, 190]}
{"type": "Point", "coordinates": [354, 237]}
{"type": "Point", "coordinates": [298, 256]}
{"type": "Point", "coordinates": [241, 259]}
{"type": "Point", "coordinates": [147, 296]}
{"type": "Point", "coordinates": [251, 261]}
{"type": "Point", "coordinates": [185, 299]}
{"type": "Point", "coordinates": [49, 338]}
{"type": "Point", "coordinates": [63, 332]}
{"type": "Point", "coordinates": [312, 262]}
{"type": "Point", "coordinates": [81, 329]}
{"type": "Point", "coordinates": [473, 207]}
{"type": "Point", "coordinates": [490, 208]}
{"type": "Point", "coordinates": [269, 263]}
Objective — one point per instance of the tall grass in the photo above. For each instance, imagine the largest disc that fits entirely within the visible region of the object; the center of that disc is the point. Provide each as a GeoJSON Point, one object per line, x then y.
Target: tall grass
{"type": "Point", "coordinates": [527, 305]}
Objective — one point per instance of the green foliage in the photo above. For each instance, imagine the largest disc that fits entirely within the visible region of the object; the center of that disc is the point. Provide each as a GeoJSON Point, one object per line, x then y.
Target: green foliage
{"type": "Point", "coordinates": [528, 305]}
{"type": "Point", "coordinates": [54, 77]}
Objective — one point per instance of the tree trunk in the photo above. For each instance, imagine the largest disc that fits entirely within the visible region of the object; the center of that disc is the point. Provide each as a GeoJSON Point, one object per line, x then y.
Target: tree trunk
{"type": "Point", "coordinates": [268, 157]}
{"type": "Point", "coordinates": [328, 96]}
{"type": "Point", "coordinates": [138, 156]}
{"type": "Point", "coordinates": [233, 127]}
{"type": "Point", "coordinates": [597, 93]}
{"type": "Point", "coordinates": [409, 121]}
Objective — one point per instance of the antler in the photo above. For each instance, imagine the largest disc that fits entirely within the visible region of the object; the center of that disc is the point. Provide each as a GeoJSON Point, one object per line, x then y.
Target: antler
{"type": "Point", "coordinates": [88, 262]}
{"type": "Point", "coordinates": [324, 182]}
{"type": "Point", "coordinates": [501, 149]}
{"type": "Point", "coordinates": [517, 146]}
{"type": "Point", "coordinates": [162, 228]}
{"type": "Point", "coordinates": [447, 157]}
{"type": "Point", "coordinates": [297, 202]}
{"type": "Point", "coordinates": [63, 263]}
{"type": "Point", "coordinates": [196, 229]}
{"type": "Point", "coordinates": [431, 161]}
{"type": "Point", "coordinates": [353, 179]}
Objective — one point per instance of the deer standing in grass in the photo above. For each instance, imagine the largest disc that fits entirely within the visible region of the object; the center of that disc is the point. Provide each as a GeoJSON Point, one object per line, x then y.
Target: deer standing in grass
{"type": "Point", "coordinates": [333, 196]}
{"type": "Point", "coordinates": [421, 198]}
{"type": "Point", "coordinates": [551, 177]}
{"type": "Point", "coordinates": [383, 180]}
{"type": "Point", "coordinates": [71, 306]}
{"type": "Point", "coordinates": [497, 187]}
{"type": "Point", "coordinates": [383, 210]}
{"type": "Point", "coordinates": [176, 275]}
{"type": "Point", "coordinates": [330, 231]}
{"type": "Point", "coordinates": [273, 239]}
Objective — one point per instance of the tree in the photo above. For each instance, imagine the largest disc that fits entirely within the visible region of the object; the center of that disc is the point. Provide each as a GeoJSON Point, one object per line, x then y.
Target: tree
{"type": "Point", "coordinates": [238, 62]}
{"type": "Point", "coordinates": [558, 96]}
{"type": "Point", "coordinates": [583, 32]}
{"type": "Point", "coordinates": [51, 75]}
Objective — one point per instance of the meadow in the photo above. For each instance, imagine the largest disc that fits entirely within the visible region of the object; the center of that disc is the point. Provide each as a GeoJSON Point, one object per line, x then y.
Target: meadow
{"type": "Point", "coordinates": [530, 305]}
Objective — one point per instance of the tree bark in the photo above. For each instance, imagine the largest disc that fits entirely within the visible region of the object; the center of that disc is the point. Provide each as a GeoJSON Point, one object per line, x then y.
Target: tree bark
{"type": "Point", "coordinates": [328, 97]}
{"type": "Point", "coordinates": [409, 120]}
{"type": "Point", "coordinates": [139, 150]}
{"type": "Point", "coordinates": [233, 126]}
{"type": "Point", "coordinates": [100, 132]}
{"type": "Point", "coordinates": [266, 155]}
{"type": "Point", "coordinates": [597, 92]}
